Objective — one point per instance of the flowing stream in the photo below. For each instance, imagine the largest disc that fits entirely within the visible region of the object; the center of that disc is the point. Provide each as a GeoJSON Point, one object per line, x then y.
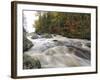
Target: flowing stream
{"type": "Point", "coordinates": [60, 51]}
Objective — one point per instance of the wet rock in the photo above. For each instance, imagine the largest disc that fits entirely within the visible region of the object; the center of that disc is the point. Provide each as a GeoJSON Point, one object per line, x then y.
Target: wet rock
{"type": "Point", "coordinates": [81, 52]}
{"type": "Point", "coordinates": [35, 36]}
{"type": "Point", "coordinates": [61, 43]}
{"type": "Point", "coordinates": [46, 35]}
{"type": "Point", "coordinates": [61, 56]}
{"type": "Point", "coordinates": [27, 44]}
{"type": "Point", "coordinates": [88, 45]}
{"type": "Point", "coordinates": [55, 40]}
{"type": "Point", "coordinates": [58, 43]}
{"type": "Point", "coordinates": [30, 63]}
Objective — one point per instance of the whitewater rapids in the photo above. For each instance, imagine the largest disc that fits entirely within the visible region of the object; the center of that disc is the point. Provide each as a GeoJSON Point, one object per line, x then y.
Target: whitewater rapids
{"type": "Point", "coordinates": [60, 51]}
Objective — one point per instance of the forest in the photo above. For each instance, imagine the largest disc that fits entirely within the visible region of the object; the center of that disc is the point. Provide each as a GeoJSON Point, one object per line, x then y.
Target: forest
{"type": "Point", "coordinates": [72, 25]}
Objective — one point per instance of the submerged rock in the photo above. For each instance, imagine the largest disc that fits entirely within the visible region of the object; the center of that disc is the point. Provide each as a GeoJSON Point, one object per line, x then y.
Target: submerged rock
{"type": "Point", "coordinates": [62, 56]}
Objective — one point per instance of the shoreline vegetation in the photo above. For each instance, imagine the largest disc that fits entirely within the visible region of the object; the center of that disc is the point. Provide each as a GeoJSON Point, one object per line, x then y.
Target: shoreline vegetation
{"type": "Point", "coordinates": [60, 40]}
{"type": "Point", "coordinates": [72, 25]}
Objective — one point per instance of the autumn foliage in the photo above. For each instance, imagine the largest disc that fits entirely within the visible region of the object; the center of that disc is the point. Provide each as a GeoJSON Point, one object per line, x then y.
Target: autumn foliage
{"type": "Point", "coordinates": [73, 25]}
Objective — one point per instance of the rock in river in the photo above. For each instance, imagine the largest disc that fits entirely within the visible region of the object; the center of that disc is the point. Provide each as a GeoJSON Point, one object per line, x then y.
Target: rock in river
{"type": "Point", "coordinates": [27, 44]}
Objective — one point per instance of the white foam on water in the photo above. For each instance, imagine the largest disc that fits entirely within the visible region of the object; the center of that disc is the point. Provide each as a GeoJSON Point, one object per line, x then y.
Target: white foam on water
{"type": "Point", "coordinates": [52, 55]}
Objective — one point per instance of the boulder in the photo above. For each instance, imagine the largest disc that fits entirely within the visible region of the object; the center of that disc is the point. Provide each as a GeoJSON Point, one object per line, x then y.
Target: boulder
{"type": "Point", "coordinates": [27, 44]}
{"type": "Point", "coordinates": [46, 35]}
{"type": "Point", "coordinates": [35, 36]}
{"type": "Point", "coordinates": [30, 63]}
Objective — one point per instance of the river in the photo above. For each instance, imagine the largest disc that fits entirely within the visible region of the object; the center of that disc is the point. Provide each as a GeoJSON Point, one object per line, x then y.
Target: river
{"type": "Point", "coordinates": [60, 51]}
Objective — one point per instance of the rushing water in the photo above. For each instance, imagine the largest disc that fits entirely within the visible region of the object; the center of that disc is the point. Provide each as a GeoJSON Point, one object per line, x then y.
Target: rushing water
{"type": "Point", "coordinates": [60, 51]}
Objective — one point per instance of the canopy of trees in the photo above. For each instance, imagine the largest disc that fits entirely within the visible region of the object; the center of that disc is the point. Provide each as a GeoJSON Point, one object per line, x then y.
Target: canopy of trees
{"type": "Point", "coordinates": [73, 25]}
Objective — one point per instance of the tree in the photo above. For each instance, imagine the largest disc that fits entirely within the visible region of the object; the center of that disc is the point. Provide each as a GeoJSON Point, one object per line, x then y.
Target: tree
{"type": "Point", "coordinates": [74, 25]}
